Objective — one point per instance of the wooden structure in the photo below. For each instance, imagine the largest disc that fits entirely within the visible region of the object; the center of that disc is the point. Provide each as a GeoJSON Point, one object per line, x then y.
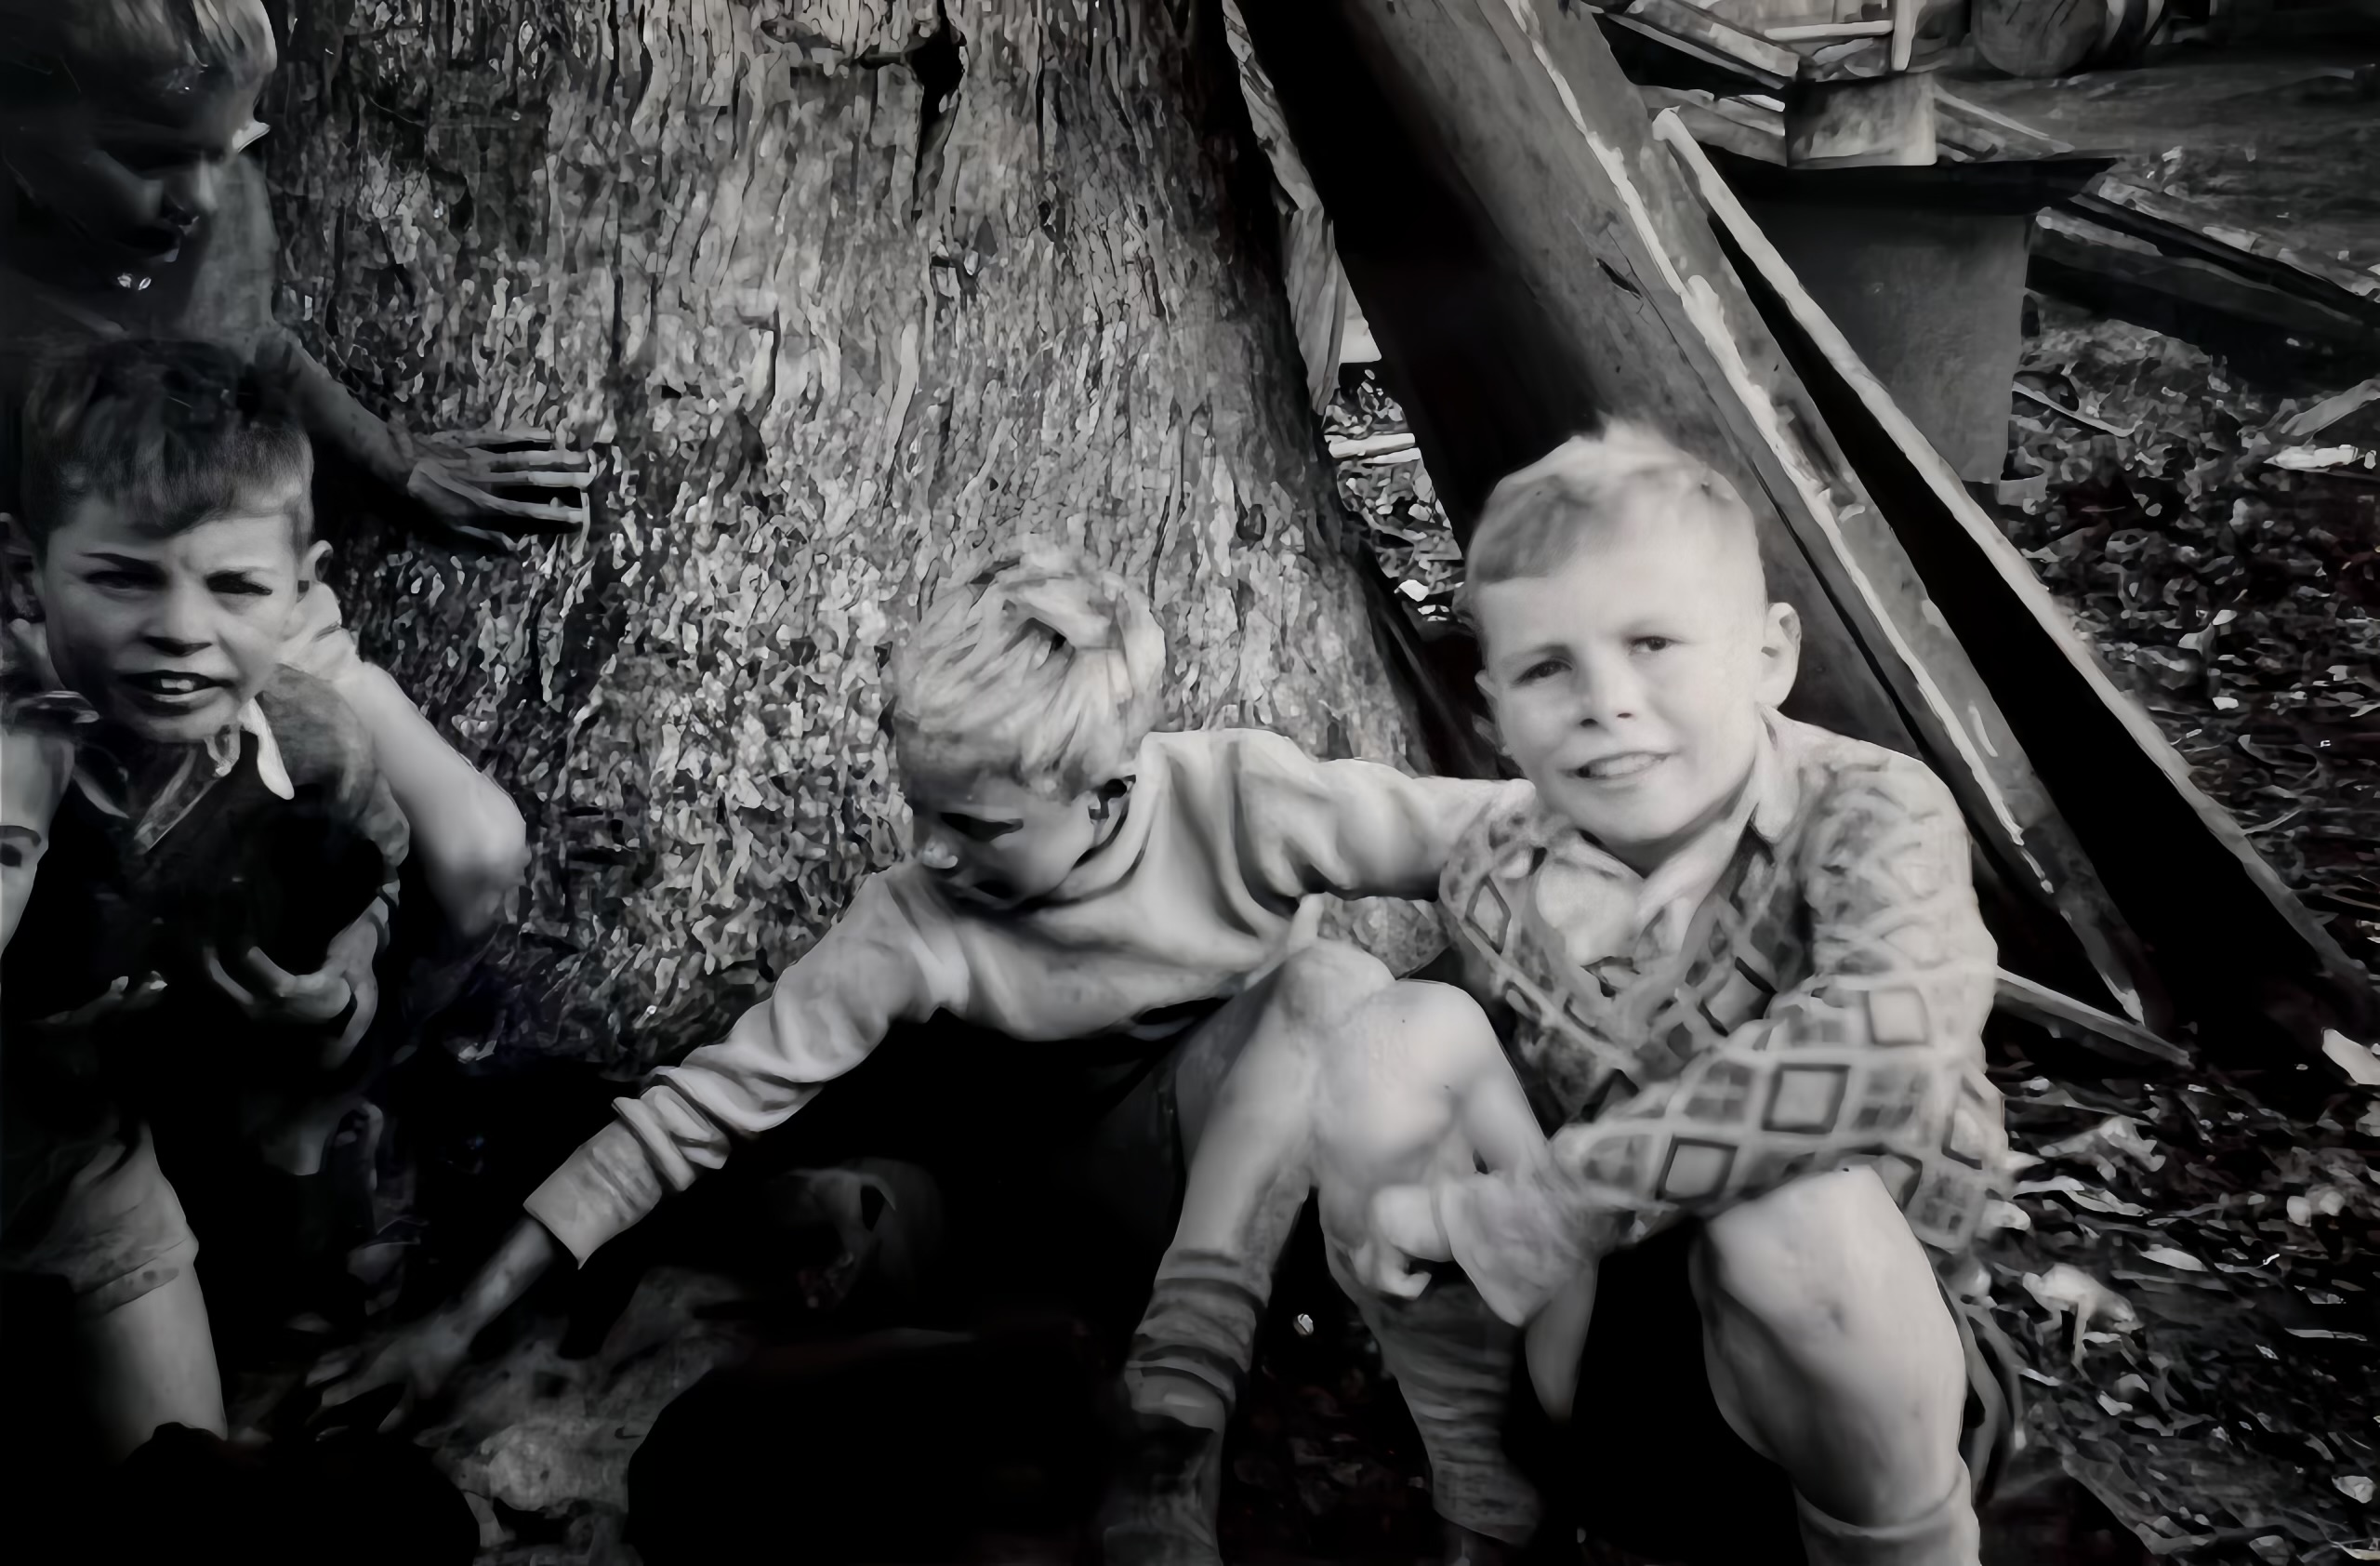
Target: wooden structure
{"type": "Point", "coordinates": [1530, 258]}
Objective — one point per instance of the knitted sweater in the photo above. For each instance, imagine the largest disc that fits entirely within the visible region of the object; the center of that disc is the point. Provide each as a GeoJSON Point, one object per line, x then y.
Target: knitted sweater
{"type": "Point", "coordinates": [1824, 1006]}
{"type": "Point", "coordinates": [1226, 833]}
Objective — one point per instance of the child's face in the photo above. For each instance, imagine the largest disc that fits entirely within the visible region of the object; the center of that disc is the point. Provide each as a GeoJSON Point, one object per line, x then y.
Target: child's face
{"type": "Point", "coordinates": [168, 636]}
{"type": "Point", "coordinates": [1628, 685]}
{"type": "Point", "coordinates": [133, 178]}
{"type": "Point", "coordinates": [991, 841]}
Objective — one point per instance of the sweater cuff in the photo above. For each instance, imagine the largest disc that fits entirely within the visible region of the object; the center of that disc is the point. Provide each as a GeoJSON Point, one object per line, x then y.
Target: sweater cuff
{"type": "Point", "coordinates": [603, 1190]}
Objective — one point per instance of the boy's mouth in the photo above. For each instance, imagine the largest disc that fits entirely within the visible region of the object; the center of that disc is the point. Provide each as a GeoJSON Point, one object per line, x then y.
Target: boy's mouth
{"type": "Point", "coordinates": [171, 690]}
{"type": "Point", "coordinates": [1620, 768]}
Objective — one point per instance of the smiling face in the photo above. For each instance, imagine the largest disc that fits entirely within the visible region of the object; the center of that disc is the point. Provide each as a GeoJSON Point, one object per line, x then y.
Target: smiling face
{"type": "Point", "coordinates": [1628, 684]}
{"type": "Point", "coordinates": [170, 635]}
{"type": "Point", "coordinates": [131, 175]}
{"type": "Point", "coordinates": [990, 841]}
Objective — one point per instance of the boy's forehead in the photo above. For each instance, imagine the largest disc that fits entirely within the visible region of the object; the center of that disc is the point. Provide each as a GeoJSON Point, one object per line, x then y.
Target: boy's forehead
{"type": "Point", "coordinates": [252, 531]}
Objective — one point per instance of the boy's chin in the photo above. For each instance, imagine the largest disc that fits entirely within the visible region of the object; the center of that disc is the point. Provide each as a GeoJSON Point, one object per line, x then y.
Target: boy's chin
{"type": "Point", "coordinates": [194, 726]}
{"type": "Point", "coordinates": [1654, 825]}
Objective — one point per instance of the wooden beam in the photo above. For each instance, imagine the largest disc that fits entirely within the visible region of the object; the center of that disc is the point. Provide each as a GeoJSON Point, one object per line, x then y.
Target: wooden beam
{"type": "Point", "coordinates": [1888, 122]}
{"type": "Point", "coordinates": [1532, 259]}
{"type": "Point", "coordinates": [2232, 942]}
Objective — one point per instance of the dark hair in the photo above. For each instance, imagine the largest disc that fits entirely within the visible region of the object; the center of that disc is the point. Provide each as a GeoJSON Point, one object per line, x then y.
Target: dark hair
{"type": "Point", "coordinates": [174, 432]}
{"type": "Point", "coordinates": [57, 51]}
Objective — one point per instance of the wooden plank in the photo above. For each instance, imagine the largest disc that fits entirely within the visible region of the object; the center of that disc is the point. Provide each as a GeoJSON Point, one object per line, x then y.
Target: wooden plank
{"type": "Point", "coordinates": [2232, 942]}
{"type": "Point", "coordinates": [2180, 228]}
{"type": "Point", "coordinates": [2210, 301]}
{"type": "Point", "coordinates": [2093, 1028]}
{"type": "Point", "coordinates": [1697, 33]}
{"type": "Point", "coordinates": [1532, 259]}
{"type": "Point", "coordinates": [1885, 123]}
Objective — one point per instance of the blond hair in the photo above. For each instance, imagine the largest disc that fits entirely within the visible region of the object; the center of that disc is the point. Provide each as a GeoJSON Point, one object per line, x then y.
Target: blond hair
{"type": "Point", "coordinates": [1034, 665]}
{"type": "Point", "coordinates": [1536, 519]}
{"type": "Point", "coordinates": [60, 49]}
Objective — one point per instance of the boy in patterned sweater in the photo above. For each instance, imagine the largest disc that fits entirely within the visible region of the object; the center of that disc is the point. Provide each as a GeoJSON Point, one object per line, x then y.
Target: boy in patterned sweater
{"type": "Point", "coordinates": [1738, 971]}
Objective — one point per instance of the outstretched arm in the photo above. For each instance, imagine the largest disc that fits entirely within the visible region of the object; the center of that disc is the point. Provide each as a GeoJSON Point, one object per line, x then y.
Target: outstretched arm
{"type": "Point", "coordinates": [1356, 829]}
{"type": "Point", "coordinates": [828, 1012]}
{"type": "Point", "coordinates": [1876, 1058]}
{"type": "Point", "coordinates": [482, 488]}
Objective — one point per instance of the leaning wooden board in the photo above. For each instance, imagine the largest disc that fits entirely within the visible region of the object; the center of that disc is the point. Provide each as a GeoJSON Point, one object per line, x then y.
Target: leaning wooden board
{"type": "Point", "coordinates": [1530, 259]}
{"type": "Point", "coordinates": [2234, 944]}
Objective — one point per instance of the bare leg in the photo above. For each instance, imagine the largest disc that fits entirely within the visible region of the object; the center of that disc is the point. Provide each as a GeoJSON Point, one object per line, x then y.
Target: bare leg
{"type": "Point", "coordinates": [1250, 1171]}
{"type": "Point", "coordinates": [1832, 1352]}
{"type": "Point", "coordinates": [152, 1363]}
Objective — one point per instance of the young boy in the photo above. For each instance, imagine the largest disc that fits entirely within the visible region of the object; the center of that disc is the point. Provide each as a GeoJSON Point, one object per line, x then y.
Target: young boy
{"type": "Point", "coordinates": [1739, 966]}
{"type": "Point", "coordinates": [130, 209]}
{"type": "Point", "coordinates": [1112, 912]}
{"type": "Point", "coordinates": [212, 855]}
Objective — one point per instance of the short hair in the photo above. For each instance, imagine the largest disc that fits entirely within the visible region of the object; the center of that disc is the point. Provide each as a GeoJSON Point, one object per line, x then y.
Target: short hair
{"type": "Point", "coordinates": [1536, 519]}
{"type": "Point", "coordinates": [61, 50]}
{"type": "Point", "coordinates": [1034, 665]}
{"type": "Point", "coordinates": [173, 432]}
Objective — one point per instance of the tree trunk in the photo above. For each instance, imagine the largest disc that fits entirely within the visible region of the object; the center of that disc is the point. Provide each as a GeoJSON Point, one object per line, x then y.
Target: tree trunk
{"type": "Point", "coordinates": [839, 291]}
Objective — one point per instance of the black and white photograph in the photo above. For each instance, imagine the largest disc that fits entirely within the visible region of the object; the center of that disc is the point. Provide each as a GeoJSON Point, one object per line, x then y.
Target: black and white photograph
{"type": "Point", "coordinates": [1166, 782]}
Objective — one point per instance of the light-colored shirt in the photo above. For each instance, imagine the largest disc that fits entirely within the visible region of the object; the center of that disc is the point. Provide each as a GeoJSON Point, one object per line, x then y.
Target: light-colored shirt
{"type": "Point", "coordinates": [1226, 834]}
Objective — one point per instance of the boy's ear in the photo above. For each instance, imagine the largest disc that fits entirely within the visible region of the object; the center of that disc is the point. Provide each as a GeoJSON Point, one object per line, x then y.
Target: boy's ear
{"type": "Point", "coordinates": [1780, 654]}
{"type": "Point", "coordinates": [309, 567]}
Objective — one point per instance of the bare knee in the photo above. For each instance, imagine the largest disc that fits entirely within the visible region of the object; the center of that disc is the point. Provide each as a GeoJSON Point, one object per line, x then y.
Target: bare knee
{"type": "Point", "coordinates": [1832, 1346]}
{"type": "Point", "coordinates": [1316, 985]}
{"type": "Point", "coordinates": [1826, 1261]}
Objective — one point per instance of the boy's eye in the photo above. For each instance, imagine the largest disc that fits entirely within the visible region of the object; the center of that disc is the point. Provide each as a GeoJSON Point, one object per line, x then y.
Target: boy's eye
{"type": "Point", "coordinates": [1654, 643]}
{"type": "Point", "coordinates": [151, 160]}
{"type": "Point", "coordinates": [1544, 668]}
{"type": "Point", "coordinates": [976, 828]}
{"type": "Point", "coordinates": [123, 581]}
{"type": "Point", "coordinates": [238, 587]}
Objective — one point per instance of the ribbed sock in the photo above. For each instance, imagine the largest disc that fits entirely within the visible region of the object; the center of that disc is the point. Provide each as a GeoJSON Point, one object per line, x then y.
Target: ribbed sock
{"type": "Point", "coordinates": [1946, 1534]}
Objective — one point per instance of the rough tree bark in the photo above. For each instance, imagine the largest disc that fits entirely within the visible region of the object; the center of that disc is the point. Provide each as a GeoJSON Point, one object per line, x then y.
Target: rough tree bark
{"type": "Point", "coordinates": [839, 289]}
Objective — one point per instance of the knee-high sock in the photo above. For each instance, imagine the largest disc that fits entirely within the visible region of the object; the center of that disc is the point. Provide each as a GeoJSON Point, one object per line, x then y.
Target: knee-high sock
{"type": "Point", "coordinates": [1189, 1359]}
{"type": "Point", "coordinates": [1947, 1535]}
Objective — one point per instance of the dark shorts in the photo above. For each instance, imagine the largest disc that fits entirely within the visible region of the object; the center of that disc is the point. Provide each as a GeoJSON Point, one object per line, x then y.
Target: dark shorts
{"type": "Point", "coordinates": [103, 1221]}
{"type": "Point", "coordinates": [1648, 1463]}
{"type": "Point", "coordinates": [1060, 1165]}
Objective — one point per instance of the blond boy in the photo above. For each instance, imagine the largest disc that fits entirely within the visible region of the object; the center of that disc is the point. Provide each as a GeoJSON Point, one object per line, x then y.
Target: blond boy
{"type": "Point", "coordinates": [1081, 889]}
{"type": "Point", "coordinates": [1739, 972]}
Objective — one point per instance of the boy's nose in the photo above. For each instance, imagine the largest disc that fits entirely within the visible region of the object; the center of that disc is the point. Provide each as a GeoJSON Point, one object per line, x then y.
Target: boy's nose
{"type": "Point", "coordinates": [193, 193]}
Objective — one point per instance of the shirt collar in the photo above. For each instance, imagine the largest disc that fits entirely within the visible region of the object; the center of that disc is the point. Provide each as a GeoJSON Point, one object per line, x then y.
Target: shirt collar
{"type": "Point", "coordinates": [207, 764]}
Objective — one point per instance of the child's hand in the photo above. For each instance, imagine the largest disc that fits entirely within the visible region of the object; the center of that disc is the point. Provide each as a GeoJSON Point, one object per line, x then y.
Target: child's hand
{"type": "Point", "coordinates": [489, 487]}
{"type": "Point", "coordinates": [414, 1365]}
{"type": "Point", "coordinates": [1404, 1231]}
{"type": "Point", "coordinates": [124, 998]}
{"type": "Point", "coordinates": [343, 991]}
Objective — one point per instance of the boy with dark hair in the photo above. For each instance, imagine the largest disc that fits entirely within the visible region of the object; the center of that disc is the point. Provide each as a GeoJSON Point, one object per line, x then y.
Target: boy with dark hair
{"type": "Point", "coordinates": [212, 855]}
{"type": "Point", "coordinates": [129, 209]}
